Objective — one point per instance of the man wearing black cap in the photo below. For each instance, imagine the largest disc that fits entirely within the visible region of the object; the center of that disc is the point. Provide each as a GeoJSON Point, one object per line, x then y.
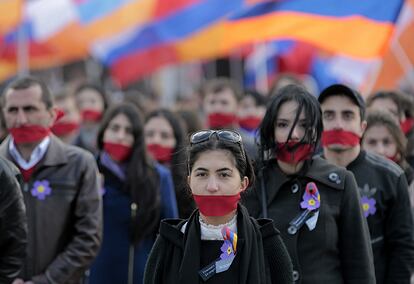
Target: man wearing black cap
{"type": "Point", "coordinates": [382, 184]}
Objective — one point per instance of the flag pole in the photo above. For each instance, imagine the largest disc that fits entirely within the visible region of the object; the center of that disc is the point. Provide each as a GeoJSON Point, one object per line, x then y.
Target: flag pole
{"type": "Point", "coordinates": [22, 48]}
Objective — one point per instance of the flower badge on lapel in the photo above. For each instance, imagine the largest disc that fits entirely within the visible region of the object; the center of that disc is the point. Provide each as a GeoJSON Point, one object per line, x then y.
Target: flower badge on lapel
{"type": "Point", "coordinates": [368, 205]}
{"type": "Point", "coordinates": [311, 197]}
{"type": "Point", "coordinates": [226, 249]}
{"type": "Point", "coordinates": [41, 189]}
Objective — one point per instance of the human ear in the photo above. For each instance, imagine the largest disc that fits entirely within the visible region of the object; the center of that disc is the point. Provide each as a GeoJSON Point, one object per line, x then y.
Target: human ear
{"type": "Point", "coordinates": [244, 183]}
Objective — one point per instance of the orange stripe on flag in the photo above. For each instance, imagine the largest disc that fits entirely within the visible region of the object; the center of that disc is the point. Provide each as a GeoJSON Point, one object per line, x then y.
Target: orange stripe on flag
{"type": "Point", "coordinates": [130, 15]}
{"type": "Point", "coordinates": [11, 13]}
{"type": "Point", "coordinates": [353, 36]}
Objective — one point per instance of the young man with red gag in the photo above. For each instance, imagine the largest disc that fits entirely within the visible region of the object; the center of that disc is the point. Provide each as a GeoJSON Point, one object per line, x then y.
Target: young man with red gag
{"type": "Point", "coordinates": [221, 98]}
{"type": "Point", "coordinates": [382, 184]}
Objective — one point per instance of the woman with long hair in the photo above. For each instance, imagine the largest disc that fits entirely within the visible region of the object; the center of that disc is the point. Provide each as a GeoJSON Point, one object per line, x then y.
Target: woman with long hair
{"type": "Point", "coordinates": [165, 140]}
{"type": "Point", "coordinates": [137, 194]}
{"type": "Point", "coordinates": [314, 204]}
{"type": "Point", "coordinates": [219, 243]}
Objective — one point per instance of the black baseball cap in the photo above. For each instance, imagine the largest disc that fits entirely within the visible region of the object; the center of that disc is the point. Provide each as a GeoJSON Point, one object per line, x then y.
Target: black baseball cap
{"type": "Point", "coordinates": [339, 89]}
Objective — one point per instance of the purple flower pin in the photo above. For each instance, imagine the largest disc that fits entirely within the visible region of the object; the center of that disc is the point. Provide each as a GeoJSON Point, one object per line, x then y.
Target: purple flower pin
{"type": "Point", "coordinates": [311, 197]}
{"type": "Point", "coordinates": [226, 249]}
{"type": "Point", "coordinates": [368, 205]}
{"type": "Point", "coordinates": [41, 189]}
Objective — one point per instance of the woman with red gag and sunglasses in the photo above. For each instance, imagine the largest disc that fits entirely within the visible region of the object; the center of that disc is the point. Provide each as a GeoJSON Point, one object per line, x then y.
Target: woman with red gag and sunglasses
{"type": "Point", "coordinates": [137, 194]}
{"type": "Point", "coordinates": [219, 243]}
{"type": "Point", "coordinates": [314, 204]}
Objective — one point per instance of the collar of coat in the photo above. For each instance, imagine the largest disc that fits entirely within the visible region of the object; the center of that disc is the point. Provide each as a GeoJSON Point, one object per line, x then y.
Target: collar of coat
{"type": "Point", "coordinates": [55, 154]}
{"type": "Point", "coordinates": [251, 234]}
{"type": "Point", "coordinates": [317, 169]}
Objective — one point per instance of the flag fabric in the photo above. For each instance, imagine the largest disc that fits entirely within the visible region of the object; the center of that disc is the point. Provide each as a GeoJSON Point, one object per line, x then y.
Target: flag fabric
{"type": "Point", "coordinates": [136, 37]}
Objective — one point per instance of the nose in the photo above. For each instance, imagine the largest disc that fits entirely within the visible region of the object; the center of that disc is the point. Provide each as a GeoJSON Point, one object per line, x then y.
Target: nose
{"type": "Point", "coordinates": [337, 124]}
{"type": "Point", "coordinates": [380, 149]}
{"type": "Point", "coordinates": [212, 185]}
{"type": "Point", "coordinates": [21, 118]}
{"type": "Point", "coordinates": [121, 135]}
{"type": "Point", "coordinates": [295, 133]}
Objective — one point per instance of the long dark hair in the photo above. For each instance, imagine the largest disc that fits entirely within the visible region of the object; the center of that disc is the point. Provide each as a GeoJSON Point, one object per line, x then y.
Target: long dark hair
{"type": "Point", "coordinates": [142, 181]}
{"type": "Point", "coordinates": [306, 102]}
{"type": "Point", "coordinates": [178, 159]}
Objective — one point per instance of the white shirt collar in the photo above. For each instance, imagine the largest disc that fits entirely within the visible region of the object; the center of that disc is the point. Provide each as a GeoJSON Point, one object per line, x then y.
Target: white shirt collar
{"type": "Point", "coordinates": [212, 232]}
{"type": "Point", "coordinates": [37, 154]}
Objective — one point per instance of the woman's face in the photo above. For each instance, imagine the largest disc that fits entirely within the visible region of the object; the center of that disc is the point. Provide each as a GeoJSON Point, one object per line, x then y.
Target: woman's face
{"type": "Point", "coordinates": [285, 120]}
{"type": "Point", "coordinates": [158, 130]}
{"type": "Point", "coordinates": [119, 131]}
{"type": "Point", "coordinates": [90, 99]}
{"type": "Point", "coordinates": [215, 173]}
{"type": "Point", "coordinates": [378, 139]}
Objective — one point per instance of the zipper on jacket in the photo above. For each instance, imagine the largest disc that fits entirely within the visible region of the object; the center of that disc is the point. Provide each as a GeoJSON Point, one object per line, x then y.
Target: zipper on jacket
{"type": "Point", "coordinates": [131, 255]}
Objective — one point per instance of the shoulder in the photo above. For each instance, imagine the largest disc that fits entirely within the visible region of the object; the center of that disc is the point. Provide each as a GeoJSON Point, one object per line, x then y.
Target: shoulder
{"type": "Point", "coordinates": [327, 173]}
{"type": "Point", "coordinates": [170, 231]}
{"type": "Point", "coordinates": [382, 164]}
{"type": "Point", "coordinates": [162, 170]}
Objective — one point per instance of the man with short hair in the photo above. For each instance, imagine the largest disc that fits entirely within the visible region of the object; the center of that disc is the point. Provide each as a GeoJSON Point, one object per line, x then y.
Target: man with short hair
{"type": "Point", "coordinates": [13, 223]}
{"type": "Point", "coordinates": [221, 98]}
{"type": "Point", "coordinates": [60, 188]}
{"type": "Point", "coordinates": [382, 184]}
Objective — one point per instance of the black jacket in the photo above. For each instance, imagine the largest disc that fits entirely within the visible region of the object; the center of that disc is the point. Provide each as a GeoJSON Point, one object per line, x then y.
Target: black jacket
{"type": "Point", "coordinates": [13, 223]}
{"type": "Point", "coordinates": [261, 255]}
{"type": "Point", "coordinates": [391, 226]}
{"type": "Point", "coordinates": [337, 250]}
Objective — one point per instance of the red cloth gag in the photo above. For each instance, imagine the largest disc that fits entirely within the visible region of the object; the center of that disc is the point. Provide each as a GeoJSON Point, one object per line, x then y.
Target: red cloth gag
{"type": "Point", "coordinates": [216, 205]}
{"type": "Point", "coordinates": [286, 152]}
{"type": "Point", "coordinates": [217, 120]}
{"type": "Point", "coordinates": [341, 137]}
{"type": "Point", "coordinates": [250, 122]}
{"type": "Point", "coordinates": [160, 153]}
{"type": "Point", "coordinates": [118, 152]}
{"type": "Point", "coordinates": [29, 133]}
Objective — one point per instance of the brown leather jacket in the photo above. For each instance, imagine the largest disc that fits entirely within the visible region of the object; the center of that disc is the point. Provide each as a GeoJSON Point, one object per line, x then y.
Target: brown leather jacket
{"type": "Point", "coordinates": [65, 228]}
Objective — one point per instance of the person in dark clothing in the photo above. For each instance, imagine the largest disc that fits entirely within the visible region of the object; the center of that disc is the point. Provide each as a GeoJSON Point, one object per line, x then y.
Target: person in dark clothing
{"type": "Point", "coordinates": [165, 140]}
{"type": "Point", "coordinates": [314, 204]}
{"type": "Point", "coordinates": [13, 223]}
{"type": "Point", "coordinates": [382, 184]}
{"type": "Point", "coordinates": [219, 243]}
{"type": "Point", "coordinates": [138, 193]}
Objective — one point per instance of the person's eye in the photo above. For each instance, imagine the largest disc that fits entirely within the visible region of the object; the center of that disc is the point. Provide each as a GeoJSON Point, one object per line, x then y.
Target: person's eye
{"type": "Point", "coordinates": [328, 116]}
{"type": "Point", "coordinates": [372, 142]}
{"type": "Point", "coordinates": [387, 142]}
{"type": "Point", "coordinates": [201, 174]}
{"type": "Point", "coordinates": [225, 175]}
{"type": "Point", "coordinates": [281, 124]}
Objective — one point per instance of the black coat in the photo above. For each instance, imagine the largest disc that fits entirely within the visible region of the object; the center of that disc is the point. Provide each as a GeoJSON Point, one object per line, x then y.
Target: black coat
{"type": "Point", "coordinates": [13, 223]}
{"type": "Point", "coordinates": [337, 250]}
{"type": "Point", "coordinates": [261, 255]}
{"type": "Point", "coordinates": [391, 225]}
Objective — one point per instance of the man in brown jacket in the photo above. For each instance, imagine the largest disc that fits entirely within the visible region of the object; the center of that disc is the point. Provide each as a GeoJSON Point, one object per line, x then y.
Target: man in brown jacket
{"type": "Point", "coordinates": [60, 188]}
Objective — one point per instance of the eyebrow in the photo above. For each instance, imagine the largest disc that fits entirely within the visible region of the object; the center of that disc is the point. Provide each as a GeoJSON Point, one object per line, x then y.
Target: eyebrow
{"type": "Point", "coordinates": [219, 170]}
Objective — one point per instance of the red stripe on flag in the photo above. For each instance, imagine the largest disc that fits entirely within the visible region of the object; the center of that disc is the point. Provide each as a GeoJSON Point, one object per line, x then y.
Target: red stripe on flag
{"type": "Point", "coordinates": [134, 66]}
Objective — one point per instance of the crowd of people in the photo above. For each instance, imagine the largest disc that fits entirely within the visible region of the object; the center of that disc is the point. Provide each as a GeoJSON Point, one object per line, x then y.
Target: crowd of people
{"type": "Point", "coordinates": [284, 187]}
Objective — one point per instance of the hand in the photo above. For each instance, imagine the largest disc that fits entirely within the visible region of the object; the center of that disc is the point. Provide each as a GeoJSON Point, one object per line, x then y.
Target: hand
{"type": "Point", "coordinates": [18, 281]}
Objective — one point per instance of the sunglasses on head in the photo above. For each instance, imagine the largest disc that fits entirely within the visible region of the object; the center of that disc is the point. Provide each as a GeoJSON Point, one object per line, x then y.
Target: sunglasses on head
{"type": "Point", "coordinates": [224, 135]}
